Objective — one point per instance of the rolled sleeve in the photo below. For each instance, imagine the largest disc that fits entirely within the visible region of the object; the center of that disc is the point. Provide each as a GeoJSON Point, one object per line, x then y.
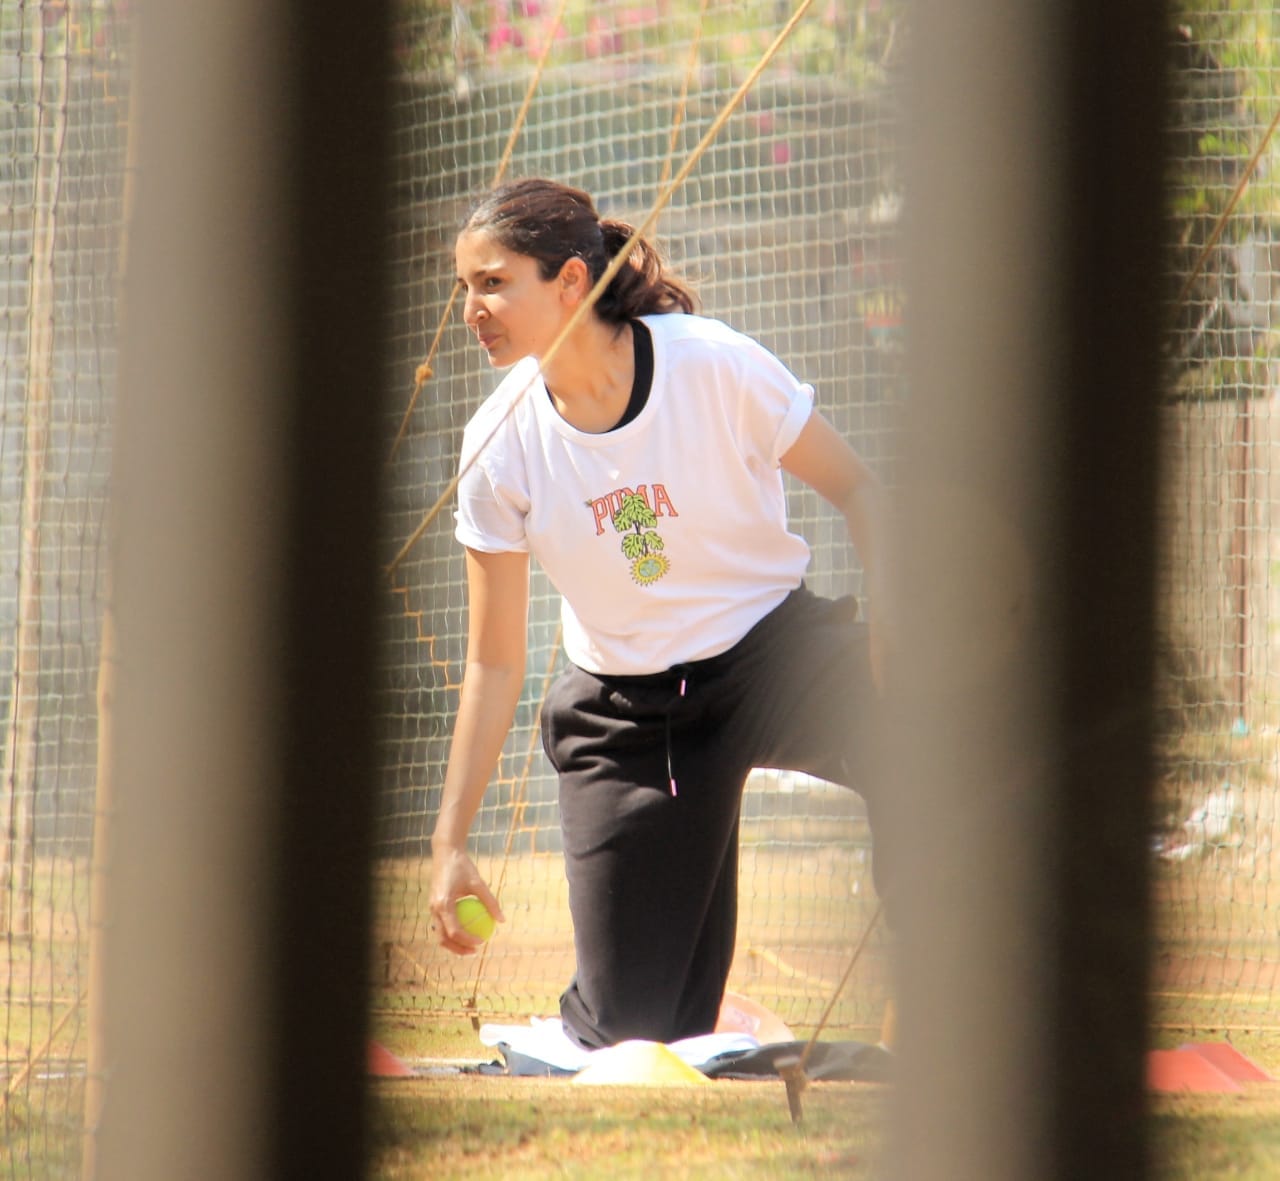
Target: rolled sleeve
{"type": "Point", "coordinates": [490, 517]}
{"type": "Point", "coordinates": [793, 421]}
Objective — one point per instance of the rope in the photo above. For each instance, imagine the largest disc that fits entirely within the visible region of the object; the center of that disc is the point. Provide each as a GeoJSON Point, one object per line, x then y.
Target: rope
{"type": "Point", "coordinates": [618, 262]}
{"type": "Point", "coordinates": [792, 1069]}
{"type": "Point", "coordinates": [424, 372]}
{"type": "Point", "coordinates": [682, 103]}
{"type": "Point", "coordinates": [835, 996]}
{"type": "Point", "coordinates": [1221, 223]}
{"type": "Point", "coordinates": [38, 1055]}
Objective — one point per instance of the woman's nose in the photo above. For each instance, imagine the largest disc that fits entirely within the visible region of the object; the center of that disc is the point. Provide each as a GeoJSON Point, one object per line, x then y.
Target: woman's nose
{"type": "Point", "coordinates": [472, 309]}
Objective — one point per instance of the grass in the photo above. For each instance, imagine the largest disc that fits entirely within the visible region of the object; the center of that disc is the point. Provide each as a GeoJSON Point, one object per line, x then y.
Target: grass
{"type": "Point", "coordinates": [481, 1128]}
{"type": "Point", "coordinates": [1207, 1138]}
{"type": "Point", "coordinates": [473, 1129]}
{"type": "Point", "coordinates": [41, 1130]}
{"type": "Point", "coordinates": [470, 1128]}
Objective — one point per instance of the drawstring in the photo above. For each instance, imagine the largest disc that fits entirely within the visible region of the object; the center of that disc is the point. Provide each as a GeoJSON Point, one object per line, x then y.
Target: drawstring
{"type": "Point", "coordinates": [671, 775]}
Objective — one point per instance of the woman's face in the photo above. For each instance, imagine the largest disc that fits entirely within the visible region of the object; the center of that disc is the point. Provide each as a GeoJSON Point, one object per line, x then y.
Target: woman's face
{"type": "Point", "coordinates": [513, 311]}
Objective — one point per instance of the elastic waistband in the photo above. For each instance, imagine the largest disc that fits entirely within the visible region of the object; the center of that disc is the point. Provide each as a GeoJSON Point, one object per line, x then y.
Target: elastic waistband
{"type": "Point", "coordinates": [696, 669]}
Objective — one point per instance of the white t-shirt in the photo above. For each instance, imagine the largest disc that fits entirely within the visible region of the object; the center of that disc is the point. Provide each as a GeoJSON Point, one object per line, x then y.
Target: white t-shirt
{"type": "Point", "coordinates": [666, 538]}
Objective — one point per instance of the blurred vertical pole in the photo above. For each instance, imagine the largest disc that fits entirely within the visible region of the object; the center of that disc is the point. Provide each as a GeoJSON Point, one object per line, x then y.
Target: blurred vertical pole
{"type": "Point", "coordinates": [1116, 227]}
{"type": "Point", "coordinates": [1019, 753]}
{"type": "Point", "coordinates": [339, 199]}
{"type": "Point", "coordinates": [338, 230]}
{"type": "Point", "coordinates": [244, 570]}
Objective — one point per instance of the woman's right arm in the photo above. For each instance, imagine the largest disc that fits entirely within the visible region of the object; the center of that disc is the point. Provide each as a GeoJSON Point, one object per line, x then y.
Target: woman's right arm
{"type": "Point", "coordinates": [497, 633]}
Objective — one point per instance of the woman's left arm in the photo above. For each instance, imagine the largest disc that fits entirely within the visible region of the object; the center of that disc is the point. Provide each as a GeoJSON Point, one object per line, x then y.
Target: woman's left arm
{"type": "Point", "coordinates": [821, 458]}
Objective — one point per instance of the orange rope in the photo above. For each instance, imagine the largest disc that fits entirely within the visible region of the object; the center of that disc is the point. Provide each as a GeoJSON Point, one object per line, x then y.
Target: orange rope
{"type": "Point", "coordinates": [683, 102]}
{"type": "Point", "coordinates": [424, 372]}
{"type": "Point", "coordinates": [1221, 223]}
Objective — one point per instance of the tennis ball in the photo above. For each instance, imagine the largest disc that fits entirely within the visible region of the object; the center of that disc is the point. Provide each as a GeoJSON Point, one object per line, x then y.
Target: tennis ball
{"type": "Point", "coordinates": [473, 917]}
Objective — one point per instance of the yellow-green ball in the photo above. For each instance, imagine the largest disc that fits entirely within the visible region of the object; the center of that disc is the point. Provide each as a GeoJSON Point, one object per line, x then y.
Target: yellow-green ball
{"type": "Point", "coordinates": [474, 918]}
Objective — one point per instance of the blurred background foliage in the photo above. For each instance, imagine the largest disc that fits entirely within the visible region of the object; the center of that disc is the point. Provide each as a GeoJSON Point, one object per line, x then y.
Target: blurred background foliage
{"type": "Point", "coordinates": [852, 43]}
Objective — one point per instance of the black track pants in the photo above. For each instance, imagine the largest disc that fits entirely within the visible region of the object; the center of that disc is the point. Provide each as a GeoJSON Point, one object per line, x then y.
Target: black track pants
{"type": "Point", "coordinates": [651, 776]}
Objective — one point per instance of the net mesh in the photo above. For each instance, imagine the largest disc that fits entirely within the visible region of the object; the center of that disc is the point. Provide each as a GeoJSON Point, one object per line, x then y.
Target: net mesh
{"type": "Point", "coordinates": [1217, 844]}
{"type": "Point", "coordinates": [62, 136]}
{"type": "Point", "coordinates": [787, 227]}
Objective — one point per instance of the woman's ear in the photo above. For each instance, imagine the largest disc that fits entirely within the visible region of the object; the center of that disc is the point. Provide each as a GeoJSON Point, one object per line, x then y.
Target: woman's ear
{"type": "Point", "coordinates": [575, 279]}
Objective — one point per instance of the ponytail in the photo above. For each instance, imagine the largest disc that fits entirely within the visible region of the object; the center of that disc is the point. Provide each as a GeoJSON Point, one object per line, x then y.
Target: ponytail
{"type": "Point", "coordinates": [553, 223]}
{"type": "Point", "coordinates": [643, 286]}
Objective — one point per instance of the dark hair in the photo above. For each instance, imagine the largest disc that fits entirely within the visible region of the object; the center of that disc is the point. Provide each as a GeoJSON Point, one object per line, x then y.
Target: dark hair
{"type": "Point", "coordinates": [553, 223]}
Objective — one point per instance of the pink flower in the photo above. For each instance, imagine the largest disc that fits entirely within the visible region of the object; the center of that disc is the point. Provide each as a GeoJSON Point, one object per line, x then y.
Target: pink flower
{"type": "Point", "coordinates": [600, 40]}
{"type": "Point", "coordinates": [503, 34]}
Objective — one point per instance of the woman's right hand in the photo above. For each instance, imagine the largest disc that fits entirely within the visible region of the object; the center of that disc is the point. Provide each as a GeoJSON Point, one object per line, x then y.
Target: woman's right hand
{"type": "Point", "coordinates": [454, 876]}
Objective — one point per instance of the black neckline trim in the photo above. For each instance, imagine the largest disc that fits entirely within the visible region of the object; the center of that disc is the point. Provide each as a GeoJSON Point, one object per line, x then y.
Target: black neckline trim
{"type": "Point", "coordinates": [642, 383]}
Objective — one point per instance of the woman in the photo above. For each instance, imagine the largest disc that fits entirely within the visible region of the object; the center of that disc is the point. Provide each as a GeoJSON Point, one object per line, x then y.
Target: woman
{"type": "Point", "coordinates": [641, 465]}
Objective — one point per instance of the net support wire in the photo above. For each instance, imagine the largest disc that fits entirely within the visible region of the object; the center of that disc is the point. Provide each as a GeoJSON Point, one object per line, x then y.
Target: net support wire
{"type": "Point", "coordinates": [792, 1069]}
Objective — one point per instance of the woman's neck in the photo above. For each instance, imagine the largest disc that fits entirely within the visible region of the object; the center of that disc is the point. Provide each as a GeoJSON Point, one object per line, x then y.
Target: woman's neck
{"type": "Point", "coordinates": [591, 375]}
